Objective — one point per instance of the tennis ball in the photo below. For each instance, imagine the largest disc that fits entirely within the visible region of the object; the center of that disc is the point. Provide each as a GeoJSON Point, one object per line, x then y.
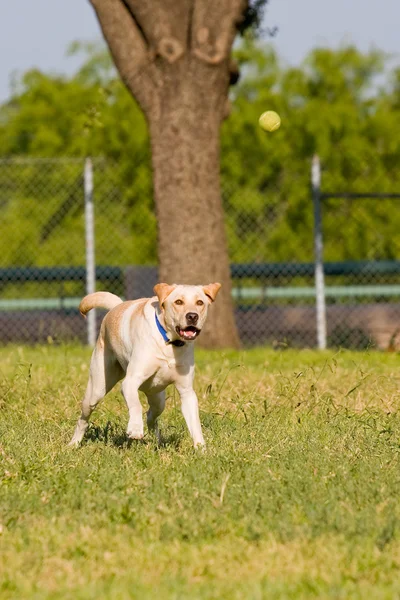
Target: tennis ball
{"type": "Point", "coordinates": [269, 121]}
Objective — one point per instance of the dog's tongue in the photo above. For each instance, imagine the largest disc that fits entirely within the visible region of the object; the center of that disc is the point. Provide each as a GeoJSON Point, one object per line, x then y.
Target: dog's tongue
{"type": "Point", "coordinates": [189, 334]}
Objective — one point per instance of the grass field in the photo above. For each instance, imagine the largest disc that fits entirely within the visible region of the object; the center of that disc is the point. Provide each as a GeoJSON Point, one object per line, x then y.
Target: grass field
{"type": "Point", "coordinates": [296, 496]}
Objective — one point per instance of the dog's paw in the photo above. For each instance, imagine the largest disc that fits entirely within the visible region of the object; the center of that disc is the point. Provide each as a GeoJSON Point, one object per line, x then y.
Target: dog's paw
{"type": "Point", "coordinates": [135, 431]}
{"type": "Point", "coordinates": [200, 446]}
{"type": "Point", "coordinates": [76, 440]}
{"type": "Point", "coordinates": [74, 444]}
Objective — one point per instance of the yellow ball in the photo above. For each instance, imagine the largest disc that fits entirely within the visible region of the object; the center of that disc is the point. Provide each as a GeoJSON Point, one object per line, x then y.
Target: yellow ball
{"type": "Point", "coordinates": [269, 121]}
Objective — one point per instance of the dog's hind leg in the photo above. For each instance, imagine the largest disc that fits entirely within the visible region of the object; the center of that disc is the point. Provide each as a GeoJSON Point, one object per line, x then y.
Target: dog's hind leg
{"type": "Point", "coordinates": [156, 407]}
{"type": "Point", "coordinates": [104, 374]}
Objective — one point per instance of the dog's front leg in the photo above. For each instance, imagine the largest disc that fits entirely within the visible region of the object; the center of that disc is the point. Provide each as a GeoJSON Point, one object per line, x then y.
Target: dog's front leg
{"type": "Point", "coordinates": [190, 411]}
{"type": "Point", "coordinates": [130, 390]}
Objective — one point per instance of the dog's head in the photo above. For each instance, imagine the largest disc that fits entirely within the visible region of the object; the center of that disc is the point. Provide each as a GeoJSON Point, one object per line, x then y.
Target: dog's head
{"type": "Point", "coordinates": [185, 308]}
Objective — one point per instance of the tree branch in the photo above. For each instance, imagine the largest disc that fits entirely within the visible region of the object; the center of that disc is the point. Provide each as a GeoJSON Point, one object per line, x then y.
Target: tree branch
{"type": "Point", "coordinates": [214, 28]}
{"type": "Point", "coordinates": [128, 49]}
{"type": "Point", "coordinates": [164, 23]}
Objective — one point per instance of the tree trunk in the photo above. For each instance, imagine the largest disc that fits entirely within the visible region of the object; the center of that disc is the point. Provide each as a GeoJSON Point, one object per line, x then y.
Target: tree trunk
{"type": "Point", "coordinates": [174, 57]}
{"type": "Point", "coordinates": [185, 154]}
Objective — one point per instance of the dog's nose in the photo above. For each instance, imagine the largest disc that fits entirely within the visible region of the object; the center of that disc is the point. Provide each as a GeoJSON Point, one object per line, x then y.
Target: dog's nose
{"type": "Point", "coordinates": [192, 318]}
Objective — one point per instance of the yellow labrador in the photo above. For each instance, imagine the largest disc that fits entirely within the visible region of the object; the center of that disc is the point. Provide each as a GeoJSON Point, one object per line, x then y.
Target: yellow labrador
{"type": "Point", "coordinates": [149, 342]}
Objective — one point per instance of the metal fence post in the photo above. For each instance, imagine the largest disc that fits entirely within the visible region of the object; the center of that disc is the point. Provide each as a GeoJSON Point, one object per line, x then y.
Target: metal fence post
{"type": "Point", "coordinates": [90, 248]}
{"type": "Point", "coordinates": [318, 254]}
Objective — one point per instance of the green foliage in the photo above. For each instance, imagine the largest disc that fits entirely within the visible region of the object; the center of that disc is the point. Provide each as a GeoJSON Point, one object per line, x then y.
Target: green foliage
{"type": "Point", "coordinates": [331, 106]}
{"type": "Point", "coordinates": [253, 16]}
{"type": "Point", "coordinates": [341, 104]}
{"type": "Point", "coordinates": [89, 114]}
{"type": "Point", "coordinates": [296, 495]}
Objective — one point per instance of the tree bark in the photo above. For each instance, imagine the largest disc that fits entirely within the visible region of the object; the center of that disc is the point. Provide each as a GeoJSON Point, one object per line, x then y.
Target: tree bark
{"type": "Point", "coordinates": [175, 60]}
{"type": "Point", "coordinates": [186, 164]}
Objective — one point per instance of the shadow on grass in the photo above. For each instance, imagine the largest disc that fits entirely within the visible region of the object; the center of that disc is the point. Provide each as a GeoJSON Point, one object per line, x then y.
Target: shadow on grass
{"type": "Point", "coordinates": [109, 435]}
{"type": "Point", "coordinates": [113, 435]}
{"type": "Point", "coordinates": [173, 440]}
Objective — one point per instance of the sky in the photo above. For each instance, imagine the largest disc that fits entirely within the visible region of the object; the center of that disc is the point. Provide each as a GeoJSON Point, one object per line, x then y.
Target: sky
{"type": "Point", "coordinates": [36, 33]}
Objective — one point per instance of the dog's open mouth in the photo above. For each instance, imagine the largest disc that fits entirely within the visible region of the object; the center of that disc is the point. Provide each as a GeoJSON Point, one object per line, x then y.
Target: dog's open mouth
{"type": "Point", "coordinates": [189, 333]}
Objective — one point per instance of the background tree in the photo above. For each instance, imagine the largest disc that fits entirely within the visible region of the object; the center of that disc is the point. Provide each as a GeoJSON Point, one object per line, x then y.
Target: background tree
{"type": "Point", "coordinates": [342, 104]}
{"type": "Point", "coordinates": [174, 57]}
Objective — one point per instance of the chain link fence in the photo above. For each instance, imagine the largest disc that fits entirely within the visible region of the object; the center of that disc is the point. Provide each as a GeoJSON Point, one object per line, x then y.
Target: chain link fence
{"type": "Point", "coordinates": [359, 252]}
{"type": "Point", "coordinates": [43, 257]}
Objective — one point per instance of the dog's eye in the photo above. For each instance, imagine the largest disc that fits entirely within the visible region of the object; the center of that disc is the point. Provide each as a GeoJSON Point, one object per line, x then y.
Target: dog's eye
{"type": "Point", "coordinates": [179, 302]}
{"type": "Point", "coordinates": [200, 303]}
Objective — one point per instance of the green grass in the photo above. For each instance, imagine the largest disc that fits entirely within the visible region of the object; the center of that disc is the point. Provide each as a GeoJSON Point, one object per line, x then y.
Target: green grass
{"type": "Point", "coordinates": [296, 496]}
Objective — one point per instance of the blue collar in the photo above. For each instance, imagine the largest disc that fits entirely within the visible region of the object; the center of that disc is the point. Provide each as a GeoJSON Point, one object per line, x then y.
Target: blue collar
{"type": "Point", "coordinates": [164, 334]}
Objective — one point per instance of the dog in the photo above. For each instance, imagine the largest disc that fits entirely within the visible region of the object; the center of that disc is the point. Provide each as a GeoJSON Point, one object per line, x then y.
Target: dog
{"type": "Point", "coordinates": [149, 344]}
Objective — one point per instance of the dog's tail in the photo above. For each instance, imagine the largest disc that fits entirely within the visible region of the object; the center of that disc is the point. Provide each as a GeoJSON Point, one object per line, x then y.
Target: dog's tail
{"type": "Point", "coordinates": [98, 300]}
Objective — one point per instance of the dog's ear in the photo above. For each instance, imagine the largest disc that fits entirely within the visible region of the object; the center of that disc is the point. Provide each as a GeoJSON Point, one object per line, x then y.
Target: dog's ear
{"type": "Point", "coordinates": [162, 291]}
{"type": "Point", "coordinates": [211, 290]}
